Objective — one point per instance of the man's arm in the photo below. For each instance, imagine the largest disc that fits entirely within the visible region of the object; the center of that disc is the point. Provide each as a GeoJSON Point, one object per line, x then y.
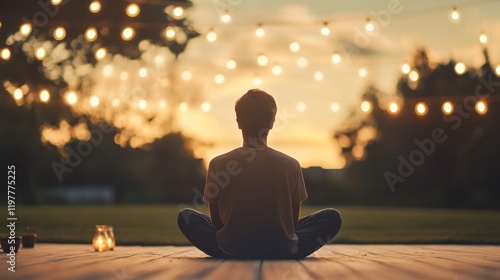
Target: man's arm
{"type": "Point", "coordinates": [295, 213]}
{"type": "Point", "coordinates": [215, 216]}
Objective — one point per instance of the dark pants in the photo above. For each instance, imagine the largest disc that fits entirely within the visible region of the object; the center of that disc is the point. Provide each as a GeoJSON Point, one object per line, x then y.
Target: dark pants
{"type": "Point", "coordinates": [314, 231]}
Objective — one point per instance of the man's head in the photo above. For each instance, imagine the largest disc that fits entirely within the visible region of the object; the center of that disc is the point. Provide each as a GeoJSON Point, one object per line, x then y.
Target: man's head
{"type": "Point", "coordinates": [255, 113]}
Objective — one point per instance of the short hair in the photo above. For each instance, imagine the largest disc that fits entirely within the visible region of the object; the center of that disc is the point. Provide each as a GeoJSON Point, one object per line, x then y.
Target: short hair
{"type": "Point", "coordinates": [255, 111]}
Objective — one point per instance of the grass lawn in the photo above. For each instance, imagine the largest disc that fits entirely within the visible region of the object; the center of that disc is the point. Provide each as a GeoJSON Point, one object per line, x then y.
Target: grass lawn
{"type": "Point", "coordinates": [156, 225]}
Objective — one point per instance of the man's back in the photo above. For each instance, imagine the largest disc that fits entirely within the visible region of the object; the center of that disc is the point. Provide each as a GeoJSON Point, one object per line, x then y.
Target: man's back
{"type": "Point", "coordinates": [254, 190]}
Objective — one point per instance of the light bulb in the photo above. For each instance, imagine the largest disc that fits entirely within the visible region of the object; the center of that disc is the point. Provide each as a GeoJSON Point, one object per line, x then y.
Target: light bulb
{"type": "Point", "coordinates": [59, 33]}
{"type": "Point", "coordinates": [336, 58]}
{"type": "Point", "coordinates": [25, 29]}
{"type": "Point", "coordinates": [256, 80]}
{"type": "Point", "coordinates": [262, 60]}
{"type": "Point", "coordinates": [277, 70]}
{"type": "Point", "coordinates": [393, 108]}
{"type": "Point", "coordinates": [44, 96]}
{"type": "Point", "coordinates": [405, 68]}
{"type": "Point", "coordinates": [369, 26]}
{"type": "Point", "coordinates": [95, 7]}
{"type": "Point", "coordinates": [178, 12]}
{"type": "Point", "coordinates": [186, 75]}
{"type": "Point", "coordinates": [302, 62]}
{"type": "Point", "coordinates": [460, 68]}
{"type": "Point", "coordinates": [100, 53]}
{"type": "Point", "coordinates": [56, 2]}
{"type": "Point", "coordinates": [205, 107]}
{"type": "Point", "coordinates": [481, 107]}
{"type": "Point", "coordinates": [318, 76]}
{"type": "Point", "coordinates": [294, 47]}
{"type": "Point", "coordinates": [40, 53]}
{"type": "Point", "coordinates": [455, 15]}
{"type": "Point", "coordinates": [143, 104]}
{"type": "Point", "coordinates": [219, 79]}
{"type": "Point", "coordinates": [71, 98]}
{"type": "Point", "coordinates": [231, 64]}
{"type": "Point", "coordinates": [301, 106]}
{"type": "Point", "coordinates": [362, 72]}
{"type": "Point", "coordinates": [259, 32]}
{"type": "Point", "coordinates": [225, 17]}
{"type": "Point", "coordinates": [483, 38]}
{"type": "Point", "coordinates": [169, 33]}
{"type": "Point", "coordinates": [325, 31]}
{"type": "Point", "coordinates": [421, 109]}
{"type": "Point", "coordinates": [18, 94]}
{"type": "Point", "coordinates": [366, 106]}
{"type": "Point", "coordinates": [132, 10]}
{"type": "Point", "coordinates": [91, 34]}
{"type": "Point", "coordinates": [128, 33]}
{"type": "Point", "coordinates": [414, 76]}
{"type": "Point", "coordinates": [447, 108]}
{"type": "Point", "coordinates": [5, 54]}
{"type": "Point", "coordinates": [211, 36]}
{"type": "Point", "coordinates": [335, 107]}
{"type": "Point", "coordinates": [94, 101]}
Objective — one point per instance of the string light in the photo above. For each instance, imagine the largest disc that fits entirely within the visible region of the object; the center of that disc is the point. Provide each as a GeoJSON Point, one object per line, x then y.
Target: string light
{"type": "Point", "coordinates": [143, 72]}
{"type": "Point", "coordinates": [128, 33]}
{"type": "Point", "coordinates": [186, 75]}
{"type": "Point", "coordinates": [219, 79]}
{"type": "Point", "coordinates": [301, 106]}
{"type": "Point", "coordinates": [95, 7]}
{"type": "Point", "coordinates": [259, 32]}
{"type": "Point", "coordinates": [231, 64]}
{"type": "Point", "coordinates": [25, 29]}
{"type": "Point", "coordinates": [481, 107]}
{"type": "Point", "coordinates": [5, 54]}
{"type": "Point", "coordinates": [369, 26]}
{"type": "Point", "coordinates": [71, 98]}
{"type": "Point", "coordinates": [302, 62]}
{"type": "Point", "coordinates": [414, 76]}
{"type": "Point", "coordinates": [100, 53]}
{"type": "Point", "coordinates": [132, 10]}
{"type": "Point", "coordinates": [366, 106]}
{"type": "Point", "coordinates": [325, 31]}
{"type": "Point", "coordinates": [455, 15]}
{"type": "Point", "coordinates": [497, 70]}
{"type": "Point", "coordinates": [91, 34]}
{"type": "Point", "coordinates": [205, 107]}
{"type": "Point", "coordinates": [256, 80]}
{"type": "Point", "coordinates": [460, 68]}
{"type": "Point", "coordinates": [44, 96]}
{"type": "Point", "coordinates": [393, 108]}
{"type": "Point", "coordinates": [362, 72]}
{"type": "Point", "coordinates": [170, 33]}
{"type": "Point", "coordinates": [183, 107]}
{"type": "Point", "coordinates": [178, 12]}
{"type": "Point", "coordinates": [483, 38]}
{"type": "Point", "coordinates": [94, 101]}
{"type": "Point", "coordinates": [421, 109]}
{"type": "Point", "coordinates": [336, 58]}
{"type": "Point", "coordinates": [447, 108]}
{"type": "Point", "coordinates": [124, 76]}
{"type": "Point", "coordinates": [277, 70]}
{"type": "Point", "coordinates": [294, 47]}
{"type": "Point", "coordinates": [18, 94]}
{"type": "Point", "coordinates": [318, 76]}
{"type": "Point", "coordinates": [211, 36]}
{"type": "Point", "coordinates": [40, 53]}
{"type": "Point", "coordinates": [59, 33]}
{"type": "Point", "coordinates": [56, 2]}
{"type": "Point", "coordinates": [225, 17]}
{"type": "Point", "coordinates": [262, 60]}
{"type": "Point", "coordinates": [335, 107]}
{"type": "Point", "coordinates": [107, 71]}
{"type": "Point", "coordinates": [143, 104]}
{"type": "Point", "coordinates": [406, 68]}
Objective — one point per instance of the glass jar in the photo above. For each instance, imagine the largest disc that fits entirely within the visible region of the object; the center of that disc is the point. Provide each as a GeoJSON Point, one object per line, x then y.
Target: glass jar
{"type": "Point", "coordinates": [100, 240]}
{"type": "Point", "coordinates": [111, 237]}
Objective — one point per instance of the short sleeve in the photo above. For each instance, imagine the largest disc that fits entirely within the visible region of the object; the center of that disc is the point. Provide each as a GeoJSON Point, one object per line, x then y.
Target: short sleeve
{"type": "Point", "coordinates": [300, 193]}
{"type": "Point", "coordinates": [212, 190]}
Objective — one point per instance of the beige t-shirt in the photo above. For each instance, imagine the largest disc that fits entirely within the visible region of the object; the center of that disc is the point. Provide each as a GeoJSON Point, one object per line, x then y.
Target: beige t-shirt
{"type": "Point", "coordinates": [254, 190]}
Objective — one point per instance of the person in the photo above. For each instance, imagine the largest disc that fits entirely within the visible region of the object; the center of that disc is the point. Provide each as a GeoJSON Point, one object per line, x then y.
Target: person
{"type": "Point", "coordinates": [254, 195]}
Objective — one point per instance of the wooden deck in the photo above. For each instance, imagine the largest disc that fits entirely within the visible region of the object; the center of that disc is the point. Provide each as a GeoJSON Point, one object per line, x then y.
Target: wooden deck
{"type": "Point", "coordinates": [55, 261]}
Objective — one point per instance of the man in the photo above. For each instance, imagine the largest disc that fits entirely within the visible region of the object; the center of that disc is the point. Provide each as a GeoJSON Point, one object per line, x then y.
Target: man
{"type": "Point", "coordinates": [254, 194]}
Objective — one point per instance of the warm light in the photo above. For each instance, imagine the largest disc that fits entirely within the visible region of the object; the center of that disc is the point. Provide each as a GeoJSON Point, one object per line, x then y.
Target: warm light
{"type": "Point", "coordinates": [421, 109]}
{"type": "Point", "coordinates": [186, 75]}
{"type": "Point", "coordinates": [115, 103]}
{"type": "Point", "coordinates": [497, 70]}
{"type": "Point", "coordinates": [256, 81]}
{"type": "Point", "coordinates": [5, 54]}
{"type": "Point", "coordinates": [358, 152]}
{"type": "Point", "coordinates": [100, 240]}
{"type": "Point", "coordinates": [301, 106]}
{"type": "Point", "coordinates": [56, 2]}
{"type": "Point", "coordinates": [277, 70]}
{"type": "Point", "coordinates": [362, 72]}
{"type": "Point", "coordinates": [225, 17]}
{"type": "Point", "coordinates": [335, 107]}
{"type": "Point", "coordinates": [95, 7]}
{"type": "Point", "coordinates": [302, 62]}
{"type": "Point", "coordinates": [325, 31]}
{"type": "Point", "coordinates": [481, 107]}
{"type": "Point", "coordinates": [162, 104]}
{"type": "Point", "coordinates": [483, 38]}
{"type": "Point", "coordinates": [94, 101]}
{"type": "Point", "coordinates": [18, 94]}
{"type": "Point", "coordinates": [133, 10]}
{"type": "Point", "coordinates": [128, 33]}
{"type": "Point", "coordinates": [294, 47]}
{"type": "Point", "coordinates": [318, 76]}
{"type": "Point", "coordinates": [262, 60]}
{"type": "Point", "coordinates": [206, 107]}
{"type": "Point", "coordinates": [40, 53]}
{"type": "Point", "coordinates": [25, 29]}
{"type": "Point", "coordinates": [123, 76]}
{"type": "Point", "coordinates": [336, 58]}
{"type": "Point", "coordinates": [107, 71]}
{"type": "Point", "coordinates": [211, 36]}
{"type": "Point", "coordinates": [231, 64]}
{"type": "Point", "coordinates": [414, 76]}
{"type": "Point", "coordinates": [169, 33]}
{"type": "Point", "coordinates": [369, 26]}
{"type": "Point", "coordinates": [219, 79]}
{"type": "Point", "coordinates": [91, 34]}
{"type": "Point", "coordinates": [71, 98]}
{"type": "Point", "coordinates": [59, 33]}
{"type": "Point", "coordinates": [143, 72]}
{"type": "Point", "coordinates": [393, 108]}
{"type": "Point", "coordinates": [447, 108]}
{"type": "Point", "coordinates": [406, 68]}
{"type": "Point", "coordinates": [183, 107]}
{"type": "Point", "coordinates": [44, 96]}
{"type": "Point", "coordinates": [100, 53]}
{"type": "Point", "coordinates": [366, 106]}
{"type": "Point", "coordinates": [460, 68]}
{"type": "Point", "coordinates": [455, 15]}
{"type": "Point", "coordinates": [259, 32]}
{"type": "Point", "coordinates": [143, 104]}
{"type": "Point", "coordinates": [178, 12]}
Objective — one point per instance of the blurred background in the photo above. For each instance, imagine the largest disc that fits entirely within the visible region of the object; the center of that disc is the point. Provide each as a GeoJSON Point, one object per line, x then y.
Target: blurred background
{"type": "Point", "coordinates": [386, 103]}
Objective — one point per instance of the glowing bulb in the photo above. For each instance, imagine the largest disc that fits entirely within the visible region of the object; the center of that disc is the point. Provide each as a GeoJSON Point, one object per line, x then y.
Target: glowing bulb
{"type": "Point", "coordinates": [206, 107]}
{"type": "Point", "coordinates": [183, 107]}
{"type": "Point", "coordinates": [262, 60]}
{"type": "Point", "coordinates": [44, 96]}
{"type": "Point", "coordinates": [91, 34]}
{"type": "Point", "coordinates": [225, 17]}
{"type": "Point", "coordinates": [56, 2]}
{"type": "Point", "coordinates": [421, 109]}
{"type": "Point", "coordinates": [318, 76]}
{"type": "Point", "coordinates": [211, 36]}
{"type": "Point", "coordinates": [107, 71]}
{"type": "Point", "coordinates": [143, 104]}
{"type": "Point", "coordinates": [231, 64]}
{"type": "Point", "coordinates": [40, 53]}
{"type": "Point", "coordinates": [447, 108]}
{"type": "Point", "coordinates": [497, 70]}
{"type": "Point", "coordinates": [259, 32]}
{"type": "Point", "coordinates": [302, 62]}
{"type": "Point", "coordinates": [277, 70]}
{"type": "Point", "coordinates": [178, 12]}
{"type": "Point", "coordinates": [123, 76]}
{"type": "Point", "coordinates": [169, 33]}
{"type": "Point", "coordinates": [336, 58]}
{"type": "Point", "coordinates": [366, 106]}
{"type": "Point", "coordinates": [335, 107]}
{"type": "Point", "coordinates": [143, 72]}
{"type": "Point", "coordinates": [362, 72]}
{"type": "Point", "coordinates": [100, 53]}
{"type": "Point", "coordinates": [132, 10]}
{"type": "Point", "coordinates": [483, 38]}
{"type": "Point", "coordinates": [301, 106]}
{"type": "Point", "coordinates": [25, 29]}
{"type": "Point", "coordinates": [256, 81]}
{"type": "Point", "coordinates": [325, 31]}
{"type": "Point", "coordinates": [59, 33]}
{"type": "Point", "coordinates": [406, 68]}
{"type": "Point", "coordinates": [18, 94]}
{"type": "Point", "coordinates": [460, 68]}
{"type": "Point", "coordinates": [294, 47]}
{"type": "Point", "coordinates": [455, 15]}
{"type": "Point", "coordinates": [393, 108]}
{"type": "Point", "coordinates": [95, 7]}
{"type": "Point", "coordinates": [219, 79]}
{"type": "Point", "coordinates": [186, 75]}
{"type": "Point", "coordinates": [94, 101]}
{"type": "Point", "coordinates": [369, 26]}
{"type": "Point", "coordinates": [71, 98]}
{"type": "Point", "coordinates": [414, 76]}
{"type": "Point", "coordinates": [481, 107]}
{"type": "Point", "coordinates": [5, 54]}
{"type": "Point", "coordinates": [128, 33]}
